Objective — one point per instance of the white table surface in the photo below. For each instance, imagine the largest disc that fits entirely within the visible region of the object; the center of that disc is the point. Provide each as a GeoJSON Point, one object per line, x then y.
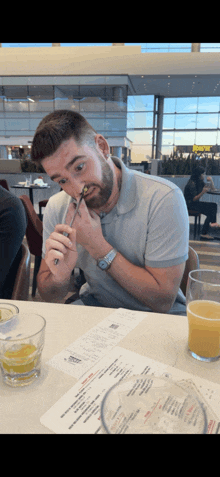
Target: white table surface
{"type": "Point", "coordinates": [159, 336]}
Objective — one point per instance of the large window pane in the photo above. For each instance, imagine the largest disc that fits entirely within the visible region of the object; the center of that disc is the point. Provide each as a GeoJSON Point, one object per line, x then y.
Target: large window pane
{"type": "Point", "coordinates": [169, 105]}
{"type": "Point", "coordinates": [98, 123]}
{"type": "Point", "coordinates": [167, 150]}
{"type": "Point", "coordinates": [207, 121]}
{"type": "Point", "coordinates": [42, 105]}
{"type": "Point", "coordinates": [140, 120]}
{"type": "Point", "coordinates": [15, 105]}
{"type": "Point", "coordinates": [140, 103]}
{"type": "Point", "coordinates": [66, 97]}
{"type": "Point", "coordinates": [165, 47]}
{"type": "Point", "coordinates": [92, 104]}
{"type": "Point", "coordinates": [140, 137]}
{"type": "Point", "coordinates": [168, 138]}
{"type": "Point", "coordinates": [65, 103]}
{"type": "Point", "coordinates": [141, 147]}
{"type": "Point", "coordinates": [218, 137]}
{"type": "Point", "coordinates": [209, 105]}
{"type": "Point", "coordinates": [1, 103]}
{"type": "Point", "coordinates": [2, 126]}
{"type": "Point", "coordinates": [116, 125]}
{"type": "Point", "coordinates": [186, 105]}
{"type": "Point", "coordinates": [15, 124]}
{"type": "Point", "coordinates": [34, 124]}
{"type": "Point", "coordinates": [206, 138]}
{"type": "Point", "coordinates": [169, 121]}
{"type": "Point", "coordinates": [185, 121]}
{"type": "Point", "coordinates": [116, 99]}
{"type": "Point", "coordinates": [41, 98]}
{"type": "Point", "coordinates": [92, 98]}
{"type": "Point", "coordinates": [185, 138]}
{"type": "Point", "coordinates": [209, 47]}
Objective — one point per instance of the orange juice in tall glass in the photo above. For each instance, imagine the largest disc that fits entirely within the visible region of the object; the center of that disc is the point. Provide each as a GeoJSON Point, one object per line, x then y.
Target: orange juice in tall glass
{"type": "Point", "coordinates": [203, 313]}
{"type": "Point", "coordinates": [204, 328]}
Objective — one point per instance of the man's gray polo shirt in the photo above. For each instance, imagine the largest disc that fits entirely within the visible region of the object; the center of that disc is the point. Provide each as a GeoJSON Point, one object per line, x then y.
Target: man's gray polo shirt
{"type": "Point", "coordinates": [149, 226]}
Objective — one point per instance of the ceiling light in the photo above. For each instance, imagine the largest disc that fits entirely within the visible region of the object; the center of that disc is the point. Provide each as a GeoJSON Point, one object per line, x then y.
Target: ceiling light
{"type": "Point", "coordinates": [30, 99]}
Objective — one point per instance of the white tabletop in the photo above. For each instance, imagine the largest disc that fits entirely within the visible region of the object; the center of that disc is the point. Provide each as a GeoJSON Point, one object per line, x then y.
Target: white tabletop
{"type": "Point", "coordinates": [159, 336]}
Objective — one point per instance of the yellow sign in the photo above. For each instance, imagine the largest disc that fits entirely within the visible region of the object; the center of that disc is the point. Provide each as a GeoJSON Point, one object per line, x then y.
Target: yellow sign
{"type": "Point", "coordinates": [201, 148]}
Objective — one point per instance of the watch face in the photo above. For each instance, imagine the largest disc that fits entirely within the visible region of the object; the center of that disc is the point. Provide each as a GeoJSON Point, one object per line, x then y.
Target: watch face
{"type": "Point", "coordinates": [103, 264]}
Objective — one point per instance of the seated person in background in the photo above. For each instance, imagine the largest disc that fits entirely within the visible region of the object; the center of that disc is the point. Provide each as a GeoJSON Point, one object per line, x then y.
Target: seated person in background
{"type": "Point", "coordinates": [136, 223]}
{"type": "Point", "coordinates": [13, 223]}
{"type": "Point", "coordinates": [194, 190]}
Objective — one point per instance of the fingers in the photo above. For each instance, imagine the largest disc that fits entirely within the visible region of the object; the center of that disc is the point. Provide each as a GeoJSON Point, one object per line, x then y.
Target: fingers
{"type": "Point", "coordinates": [63, 248]}
{"type": "Point", "coordinates": [60, 228]}
{"type": "Point", "coordinates": [59, 242]}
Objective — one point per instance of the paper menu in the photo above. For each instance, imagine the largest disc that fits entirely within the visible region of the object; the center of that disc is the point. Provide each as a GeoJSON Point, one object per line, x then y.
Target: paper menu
{"type": "Point", "coordinates": [78, 411]}
{"type": "Point", "coordinates": [84, 352]}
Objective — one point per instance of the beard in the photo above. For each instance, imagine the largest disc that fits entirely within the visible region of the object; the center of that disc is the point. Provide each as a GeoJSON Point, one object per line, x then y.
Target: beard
{"type": "Point", "coordinates": [104, 190]}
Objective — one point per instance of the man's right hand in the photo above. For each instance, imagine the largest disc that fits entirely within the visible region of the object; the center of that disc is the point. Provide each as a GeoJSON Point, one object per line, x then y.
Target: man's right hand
{"type": "Point", "coordinates": [64, 248]}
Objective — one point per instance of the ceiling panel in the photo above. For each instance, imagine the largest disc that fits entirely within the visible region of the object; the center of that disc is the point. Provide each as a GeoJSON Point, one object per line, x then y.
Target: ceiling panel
{"type": "Point", "coordinates": [176, 85]}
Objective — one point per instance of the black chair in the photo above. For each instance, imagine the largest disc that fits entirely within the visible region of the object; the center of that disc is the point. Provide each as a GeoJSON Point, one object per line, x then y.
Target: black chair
{"type": "Point", "coordinates": [197, 215]}
{"type": "Point", "coordinates": [22, 280]}
{"type": "Point", "coordinates": [192, 263]}
{"type": "Point", "coordinates": [34, 236]}
{"type": "Point", "coordinates": [4, 184]}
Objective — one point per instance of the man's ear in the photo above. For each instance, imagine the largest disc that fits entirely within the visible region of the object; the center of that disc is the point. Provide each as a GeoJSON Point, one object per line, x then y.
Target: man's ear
{"type": "Point", "coordinates": [102, 145]}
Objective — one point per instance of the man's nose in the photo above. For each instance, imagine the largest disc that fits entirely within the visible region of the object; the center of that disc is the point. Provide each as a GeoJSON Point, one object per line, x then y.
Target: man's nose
{"type": "Point", "coordinates": [78, 188]}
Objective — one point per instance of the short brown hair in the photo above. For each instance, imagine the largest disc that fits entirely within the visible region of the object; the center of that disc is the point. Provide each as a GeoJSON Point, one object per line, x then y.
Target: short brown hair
{"type": "Point", "coordinates": [57, 127]}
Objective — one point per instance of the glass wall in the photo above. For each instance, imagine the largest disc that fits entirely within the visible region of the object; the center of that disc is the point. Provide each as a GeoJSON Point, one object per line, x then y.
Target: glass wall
{"type": "Point", "coordinates": [140, 126]}
{"type": "Point", "coordinates": [23, 107]}
{"type": "Point", "coordinates": [189, 121]}
{"type": "Point", "coordinates": [114, 114]}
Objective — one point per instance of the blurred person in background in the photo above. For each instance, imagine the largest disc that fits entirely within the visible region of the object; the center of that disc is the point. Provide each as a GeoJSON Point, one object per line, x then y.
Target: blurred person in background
{"type": "Point", "coordinates": [13, 223]}
{"type": "Point", "coordinates": [194, 190]}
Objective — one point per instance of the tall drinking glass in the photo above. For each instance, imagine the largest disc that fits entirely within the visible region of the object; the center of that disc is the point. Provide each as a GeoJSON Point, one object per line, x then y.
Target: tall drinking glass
{"type": "Point", "coordinates": [203, 313]}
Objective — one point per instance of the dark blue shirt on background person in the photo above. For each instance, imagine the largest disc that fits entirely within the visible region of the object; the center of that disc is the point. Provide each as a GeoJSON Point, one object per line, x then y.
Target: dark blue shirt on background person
{"type": "Point", "coordinates": [13, 223]}
{"type": "Point", "coordinates": [193, 192]}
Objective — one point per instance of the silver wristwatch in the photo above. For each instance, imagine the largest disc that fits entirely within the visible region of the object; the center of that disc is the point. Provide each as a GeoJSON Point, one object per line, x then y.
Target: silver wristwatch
{"type": "Point", "coordinates": [105, 262]}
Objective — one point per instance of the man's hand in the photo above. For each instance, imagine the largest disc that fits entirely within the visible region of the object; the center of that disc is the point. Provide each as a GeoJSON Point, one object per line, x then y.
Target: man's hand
{"type": "Point", "coordinates": [88, 230]}
{"type": "Point", "coordinates": [205, 189]}
{"type": "Point", "coordinates": [63, 248]}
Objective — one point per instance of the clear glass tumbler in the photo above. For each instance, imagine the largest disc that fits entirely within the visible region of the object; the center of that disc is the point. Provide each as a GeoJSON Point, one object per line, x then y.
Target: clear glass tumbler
{"type": "Point", "coordinates": [21, 346]}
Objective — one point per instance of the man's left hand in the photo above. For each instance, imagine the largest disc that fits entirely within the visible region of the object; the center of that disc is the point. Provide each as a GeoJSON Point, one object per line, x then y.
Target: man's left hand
{"type": "Point", "coordinates": [88, 230]}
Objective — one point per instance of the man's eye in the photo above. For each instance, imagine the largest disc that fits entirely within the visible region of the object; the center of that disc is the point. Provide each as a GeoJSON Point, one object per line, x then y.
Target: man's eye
{"type": "Point", "coordinates": [62, 181]}
{"type": "Point", "coordinates": [79, 167]}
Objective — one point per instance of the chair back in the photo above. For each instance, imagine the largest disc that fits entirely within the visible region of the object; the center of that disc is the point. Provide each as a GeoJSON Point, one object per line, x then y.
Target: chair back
{"type": "Point", "coordinates": [4, 184]}
{"type": "Point", "coordinates": [192, 263]}
{"type": "Point", "coordinates": [34, 231]}
{"type": "Point", "coordinates": [22, 280]}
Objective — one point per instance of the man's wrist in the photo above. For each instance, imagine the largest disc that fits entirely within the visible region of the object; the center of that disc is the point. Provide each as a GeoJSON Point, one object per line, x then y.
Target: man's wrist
{"type": "Point", "coordinates": [59, 281]}
{"type": "Point", "coordinates": [100, 250]}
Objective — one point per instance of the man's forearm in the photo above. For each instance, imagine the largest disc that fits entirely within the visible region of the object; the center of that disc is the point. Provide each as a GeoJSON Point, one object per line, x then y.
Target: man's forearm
{"type": "Point", "coordinates": [52, 291]}
{"type": "Point", "coordinates": [140, 284]}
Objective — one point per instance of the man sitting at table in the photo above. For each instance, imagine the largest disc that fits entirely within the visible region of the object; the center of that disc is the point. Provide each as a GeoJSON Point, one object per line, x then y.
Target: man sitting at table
{"type": "Point", "coordinates": [130, 237]}
{"type": "Point", "coordinates": [13, 224]}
